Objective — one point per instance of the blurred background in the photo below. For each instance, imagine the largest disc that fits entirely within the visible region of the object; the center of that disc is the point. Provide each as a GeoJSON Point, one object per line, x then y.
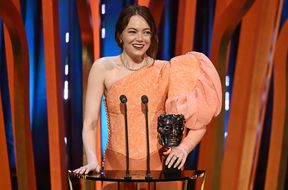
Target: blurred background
{"type": "Point", "coordinates": [47, 48]}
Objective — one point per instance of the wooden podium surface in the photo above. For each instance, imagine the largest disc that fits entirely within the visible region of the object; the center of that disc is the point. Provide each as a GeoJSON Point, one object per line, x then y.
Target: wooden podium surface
{"type": "Point", "coordinates": [140, 176]}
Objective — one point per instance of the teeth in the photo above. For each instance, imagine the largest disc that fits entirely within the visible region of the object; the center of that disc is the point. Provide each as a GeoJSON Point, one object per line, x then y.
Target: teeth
{"type": "Point", "coordinates": [138, 45]}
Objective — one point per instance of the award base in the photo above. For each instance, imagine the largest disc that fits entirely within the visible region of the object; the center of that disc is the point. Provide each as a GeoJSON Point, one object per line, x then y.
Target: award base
{"type": "Point", "coordinates": [170, 172]}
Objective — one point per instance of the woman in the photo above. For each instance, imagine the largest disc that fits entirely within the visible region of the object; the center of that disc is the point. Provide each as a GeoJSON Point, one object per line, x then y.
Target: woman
{"type": "Point", "coordinates": [187, 84]}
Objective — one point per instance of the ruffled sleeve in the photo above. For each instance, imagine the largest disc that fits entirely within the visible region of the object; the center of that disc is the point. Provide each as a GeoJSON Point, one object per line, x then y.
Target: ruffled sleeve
{"type": "Point", "coordinates": [194, 89]}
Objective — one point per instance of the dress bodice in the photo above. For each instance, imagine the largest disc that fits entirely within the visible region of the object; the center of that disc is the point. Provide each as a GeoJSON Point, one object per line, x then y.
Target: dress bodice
{"type": "Point", "coordinates": [152, 82]}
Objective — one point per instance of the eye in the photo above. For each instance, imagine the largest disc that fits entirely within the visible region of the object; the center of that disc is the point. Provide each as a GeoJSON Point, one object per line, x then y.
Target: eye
{"type": "Point", "coordinates": [131, 31]}
{"type": "Point", "coordinates": [166, 128]}
{"type": "Point", "coordinates": [147, 32]}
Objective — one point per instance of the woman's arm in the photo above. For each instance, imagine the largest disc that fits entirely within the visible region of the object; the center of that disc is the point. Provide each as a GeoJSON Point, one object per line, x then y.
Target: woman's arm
{"type": "Point", "coordinates": [95, 89]}
{"type": "Point", "coordinates": [181, 152]}
{"type": "Point", "coordinates": [193, 137]}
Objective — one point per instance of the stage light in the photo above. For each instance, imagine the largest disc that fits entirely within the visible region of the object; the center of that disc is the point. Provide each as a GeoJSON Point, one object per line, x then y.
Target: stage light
{"type": "Point", "coordinates": [66, 69]}
{"type": "Point", "coordinates": [227, 81]}
{"type": "Point", "coordinates": [227, 101]}
{"type": "Point", "coordinates": [67, 37]}
{"type": "Point", "coordinates": [103, 33]}
{"type": "Point", "coordinates": [66, 90]}
{"type": "Point", "coordinates": [103, 9]}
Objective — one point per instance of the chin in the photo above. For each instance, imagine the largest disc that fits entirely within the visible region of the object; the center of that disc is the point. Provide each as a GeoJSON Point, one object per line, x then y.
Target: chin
{"type": "Point", "coordinates": [138, 53]}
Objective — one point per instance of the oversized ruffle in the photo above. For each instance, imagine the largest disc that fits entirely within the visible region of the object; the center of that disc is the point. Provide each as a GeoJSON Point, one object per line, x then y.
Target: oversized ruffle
{"type": "Point", "coordinates": [194, 89]}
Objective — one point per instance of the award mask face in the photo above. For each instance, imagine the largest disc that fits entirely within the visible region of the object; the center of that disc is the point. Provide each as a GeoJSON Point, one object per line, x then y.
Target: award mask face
{"type": "Point", "coordinates": [170, 129]}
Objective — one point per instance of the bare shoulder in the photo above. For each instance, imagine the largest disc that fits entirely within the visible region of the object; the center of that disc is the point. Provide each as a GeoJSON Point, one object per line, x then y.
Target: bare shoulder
{"type": "Point", "coordinates": [104, 64]}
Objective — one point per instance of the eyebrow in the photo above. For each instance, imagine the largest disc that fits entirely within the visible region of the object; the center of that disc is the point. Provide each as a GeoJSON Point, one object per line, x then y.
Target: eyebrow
{"type": "Point", "coordinates": [136, 29]}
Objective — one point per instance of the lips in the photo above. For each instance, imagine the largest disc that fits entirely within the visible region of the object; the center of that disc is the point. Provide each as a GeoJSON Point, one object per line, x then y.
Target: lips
{"type": "Point", "coordinates": [138, 46]}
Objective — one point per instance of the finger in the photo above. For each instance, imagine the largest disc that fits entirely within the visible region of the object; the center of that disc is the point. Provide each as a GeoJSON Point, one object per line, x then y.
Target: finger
{"type": "Point", "coordinates": [87, 170]}
{"type": "Point", "coordinates": [75, 171]}
{"type": "Point", "coordinates": [82, 170]}
{"type": "Point", "coordinates": [179, 161]}
{"type": "Point", "coordinates": [172, 161]}
{"type": "Point", "coordinates": [97, 169]}
{"type": "Point", "coordinates": [168, 158]}
{"type": "Point", "coordinates": [168, 151]}
{"type": "Point", "coordinates": [182, 163]}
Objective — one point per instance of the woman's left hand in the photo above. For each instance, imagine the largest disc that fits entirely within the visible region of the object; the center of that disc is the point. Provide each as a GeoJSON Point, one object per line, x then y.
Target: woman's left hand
{"type": "Point", "coordinates": [177, 154]}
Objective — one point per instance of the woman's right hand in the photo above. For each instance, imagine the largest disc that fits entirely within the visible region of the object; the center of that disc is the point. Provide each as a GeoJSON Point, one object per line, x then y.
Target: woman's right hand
{"type": "Point", "coordinates": [91, 167]}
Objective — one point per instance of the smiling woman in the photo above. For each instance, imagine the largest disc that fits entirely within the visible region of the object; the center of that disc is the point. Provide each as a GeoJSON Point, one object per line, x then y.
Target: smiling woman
{"type": "Point", "coordinates": [136, 39]}
{"type": "Point", "coordinates": [135, 73]}
{"type": "Point", "coordinates": [144, 21]}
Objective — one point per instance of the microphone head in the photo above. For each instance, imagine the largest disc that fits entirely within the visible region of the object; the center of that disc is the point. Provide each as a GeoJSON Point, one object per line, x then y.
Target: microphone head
{"type": "Point", "coordinates": [123, 99]}
{"type": "Point", "coordinates": [144, 99]}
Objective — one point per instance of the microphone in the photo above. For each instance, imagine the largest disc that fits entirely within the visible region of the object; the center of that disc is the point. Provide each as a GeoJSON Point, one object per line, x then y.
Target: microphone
{"type": "Point", "coordinates": [123, 100]}
{"type": "Point", "coordinates": [144, 100]}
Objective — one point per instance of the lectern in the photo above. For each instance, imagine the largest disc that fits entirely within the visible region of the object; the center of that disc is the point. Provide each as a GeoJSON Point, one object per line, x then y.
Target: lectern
{"type": "Point", "coordinates": [137, 177]}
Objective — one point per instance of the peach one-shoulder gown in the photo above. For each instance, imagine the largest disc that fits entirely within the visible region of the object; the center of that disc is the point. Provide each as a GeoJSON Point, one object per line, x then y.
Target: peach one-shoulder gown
{"type": "Point", "coordinates": [187, 84]}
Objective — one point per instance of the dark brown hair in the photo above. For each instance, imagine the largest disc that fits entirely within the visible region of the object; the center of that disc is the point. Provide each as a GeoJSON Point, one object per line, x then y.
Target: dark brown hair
{"type": "Point", "coordinates": [124, 19]}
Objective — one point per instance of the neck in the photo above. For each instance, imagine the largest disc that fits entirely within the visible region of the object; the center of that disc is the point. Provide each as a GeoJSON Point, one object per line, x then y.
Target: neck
{"type": "Point", "coordinates": [131, 60]}
{"type": "Point", "coordinates": [132, 65]}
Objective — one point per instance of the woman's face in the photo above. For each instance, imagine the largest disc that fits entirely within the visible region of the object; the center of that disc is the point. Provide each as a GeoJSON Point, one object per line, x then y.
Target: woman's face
{"type": "Point", "coordinates": [136, 37]}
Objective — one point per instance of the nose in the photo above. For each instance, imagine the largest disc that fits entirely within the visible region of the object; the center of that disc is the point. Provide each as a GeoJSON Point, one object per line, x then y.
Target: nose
{"type": "Point", "coordinates": [139, 37]}
{"type": "Point", "coordinates": [174, 131]}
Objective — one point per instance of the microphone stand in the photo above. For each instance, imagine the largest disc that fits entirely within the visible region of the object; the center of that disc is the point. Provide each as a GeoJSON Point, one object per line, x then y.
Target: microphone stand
{"type": "Point", "coordinates": [144, 100]}
{"type": "Point", "coordinates": [123, 100]}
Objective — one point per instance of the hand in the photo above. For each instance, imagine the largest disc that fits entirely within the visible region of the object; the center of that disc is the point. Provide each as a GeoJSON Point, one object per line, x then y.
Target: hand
{"type": "Point", "coordinates": [176, 153]}
{"type": "Point", "coordinates": [88, 168]}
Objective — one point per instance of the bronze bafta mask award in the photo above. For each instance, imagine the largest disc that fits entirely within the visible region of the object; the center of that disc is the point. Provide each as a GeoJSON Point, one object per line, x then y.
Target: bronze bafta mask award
{"type": "Point", "coordinates": [170, 131]}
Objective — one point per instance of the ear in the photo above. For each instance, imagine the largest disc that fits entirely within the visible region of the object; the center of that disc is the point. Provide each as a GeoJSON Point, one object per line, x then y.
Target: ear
{"type": "Point", "coordinates": [120, 39]}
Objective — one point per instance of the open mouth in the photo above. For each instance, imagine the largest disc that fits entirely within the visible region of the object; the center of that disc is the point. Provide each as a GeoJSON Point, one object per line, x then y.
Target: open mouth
{"type": "Point", "coordinates": [138, 46]}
